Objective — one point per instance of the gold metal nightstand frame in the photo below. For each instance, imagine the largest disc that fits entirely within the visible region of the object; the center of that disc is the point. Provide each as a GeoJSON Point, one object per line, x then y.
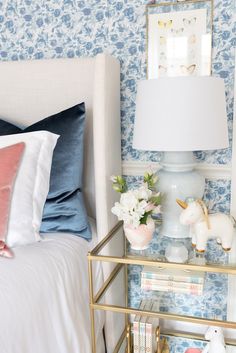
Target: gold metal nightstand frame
{"type": "Point", "coordinates": [123, 262]}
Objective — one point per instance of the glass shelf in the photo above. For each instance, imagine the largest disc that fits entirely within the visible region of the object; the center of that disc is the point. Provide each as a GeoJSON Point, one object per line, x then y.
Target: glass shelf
{"type": "Point", "coordinates": [213, 260]}
{"type": "Point", "coordinates": [202, 306]}
{"type": "Point", "coordinates": [214, 254]}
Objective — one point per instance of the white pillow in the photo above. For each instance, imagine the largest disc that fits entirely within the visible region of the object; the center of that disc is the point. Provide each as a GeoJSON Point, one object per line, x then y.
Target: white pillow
{"type": "Point", "coordinates": [31, 185]}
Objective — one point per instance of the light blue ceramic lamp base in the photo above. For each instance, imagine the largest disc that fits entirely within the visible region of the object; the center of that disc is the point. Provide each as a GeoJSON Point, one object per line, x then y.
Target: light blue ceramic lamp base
{"type": "Point", "coordinates": [177, 180]}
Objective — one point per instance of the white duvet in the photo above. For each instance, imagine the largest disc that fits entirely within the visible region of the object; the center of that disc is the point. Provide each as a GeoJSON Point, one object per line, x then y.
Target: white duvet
{"type": "Point", "coordinates": [44, 298]}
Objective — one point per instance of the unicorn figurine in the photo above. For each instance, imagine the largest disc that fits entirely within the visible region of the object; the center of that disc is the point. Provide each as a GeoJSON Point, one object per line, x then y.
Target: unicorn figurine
{"type": "Point", "coordinates": [204, 226]}
{"type": "Point", "coordinates": [217, 343]}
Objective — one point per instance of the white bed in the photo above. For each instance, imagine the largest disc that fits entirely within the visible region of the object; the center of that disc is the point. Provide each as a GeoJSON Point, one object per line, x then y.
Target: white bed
{"type": "Point", "coordinates": [44, 290]}
{"type": "Point", "coordinates": [45, 298]}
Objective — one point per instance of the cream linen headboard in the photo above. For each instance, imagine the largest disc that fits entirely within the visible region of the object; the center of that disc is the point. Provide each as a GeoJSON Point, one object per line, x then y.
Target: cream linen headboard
{"type": "Point", "coordinates": [33, 90]}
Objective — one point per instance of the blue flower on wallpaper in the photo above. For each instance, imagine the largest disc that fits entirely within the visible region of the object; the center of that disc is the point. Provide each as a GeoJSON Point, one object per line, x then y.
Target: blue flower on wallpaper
{"type": "Point", "coordinates": [119, 6]}
{"type": "Point", "coordinates": [86, 11]}
{"type": "Point", "coordinates": [99, 16]}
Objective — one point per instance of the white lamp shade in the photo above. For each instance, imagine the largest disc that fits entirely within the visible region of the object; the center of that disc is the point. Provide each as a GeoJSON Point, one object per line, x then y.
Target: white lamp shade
{"type": "Point", "coordinates": [181, 114]}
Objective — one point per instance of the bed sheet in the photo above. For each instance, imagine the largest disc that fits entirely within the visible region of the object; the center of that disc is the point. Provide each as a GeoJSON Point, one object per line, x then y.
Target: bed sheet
{"type": "Point", "coordinates": [44, 298]}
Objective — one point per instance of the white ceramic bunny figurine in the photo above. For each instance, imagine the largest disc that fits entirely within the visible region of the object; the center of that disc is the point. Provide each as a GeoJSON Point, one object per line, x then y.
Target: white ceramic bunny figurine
{"type": "Point", "coordinates": [217, 343]}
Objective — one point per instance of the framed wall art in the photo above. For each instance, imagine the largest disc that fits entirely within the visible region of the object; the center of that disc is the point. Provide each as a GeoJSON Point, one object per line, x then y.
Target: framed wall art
{"type": "Point", "coordinates": [179, 39]}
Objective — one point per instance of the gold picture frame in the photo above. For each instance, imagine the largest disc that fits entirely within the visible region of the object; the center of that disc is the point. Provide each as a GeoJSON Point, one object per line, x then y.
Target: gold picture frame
{"type": "Point", "coordinates": [179, 38]}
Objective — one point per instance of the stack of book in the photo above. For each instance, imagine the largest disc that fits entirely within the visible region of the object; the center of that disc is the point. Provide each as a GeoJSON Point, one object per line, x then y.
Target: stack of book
{"type": "Point", "coordinates": [168, 280]}
{"type": "Point", "coordinates": [144, 329]}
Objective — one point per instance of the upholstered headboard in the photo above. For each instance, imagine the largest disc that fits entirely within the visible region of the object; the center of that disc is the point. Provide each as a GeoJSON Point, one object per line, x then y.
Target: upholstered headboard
{"type": "Point", "coordinates": [32, 90]}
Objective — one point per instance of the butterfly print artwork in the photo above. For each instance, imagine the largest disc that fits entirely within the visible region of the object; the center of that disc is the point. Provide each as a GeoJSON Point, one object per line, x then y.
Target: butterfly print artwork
{"type": "Point", "coordinates": [162, 69]}
{"type": "Point", "coordinates": [176, 40]}
{"type": "Point", "coordinates": [177, 32]}
{"type": "Point", "coordinates": [189, 21]}
{"type": "Point", "coordinates": [165, 24]}
{"type": "Point", "coordinates": [188, 70]}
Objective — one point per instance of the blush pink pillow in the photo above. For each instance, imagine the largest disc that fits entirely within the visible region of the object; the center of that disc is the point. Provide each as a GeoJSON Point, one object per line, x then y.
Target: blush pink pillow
{"type": "Point", "coordinates": [10, 158]}
{"type": "Point", "coordinates": [193, 350]}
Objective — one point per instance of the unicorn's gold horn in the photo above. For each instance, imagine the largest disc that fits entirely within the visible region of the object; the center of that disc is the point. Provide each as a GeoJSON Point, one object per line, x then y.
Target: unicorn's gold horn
{"type": "Point", "coordinates": [182, 203]}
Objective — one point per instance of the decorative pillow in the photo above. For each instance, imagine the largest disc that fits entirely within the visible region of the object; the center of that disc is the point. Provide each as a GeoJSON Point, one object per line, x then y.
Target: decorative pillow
{"type": "Point", "coordinates": [64, 209]}
{"type": "Point", "coordinates": [31, 185]}
{"type": "Point", "coordinates": [10, 158]}
{"type": "Point", "coordinates": [7, 128]}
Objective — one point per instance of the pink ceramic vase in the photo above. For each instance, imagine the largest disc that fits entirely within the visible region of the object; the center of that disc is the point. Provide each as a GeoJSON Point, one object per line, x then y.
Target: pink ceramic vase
{"type": "Point", "coordinates": [140, 237]}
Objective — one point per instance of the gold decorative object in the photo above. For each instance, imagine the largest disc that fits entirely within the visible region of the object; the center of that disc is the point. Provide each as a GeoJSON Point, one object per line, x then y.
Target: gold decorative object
{"type": "Point", "coordinates": [158, 340]}
{"type": "Point", "coordinates": [182, 203]}
{"type": "Point", "coordinates": [164, 346]}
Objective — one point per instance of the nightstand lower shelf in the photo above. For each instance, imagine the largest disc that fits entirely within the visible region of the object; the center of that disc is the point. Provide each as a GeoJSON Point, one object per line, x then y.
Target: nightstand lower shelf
{"type": "Point", "coordinates": [126, 338]}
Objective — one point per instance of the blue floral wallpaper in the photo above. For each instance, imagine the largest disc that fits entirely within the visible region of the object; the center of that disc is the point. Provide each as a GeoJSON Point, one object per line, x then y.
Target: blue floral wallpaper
{"type": "Point", "coordinates": [68, 28]}
{"type": "Point", "coordinates": [36, 29]}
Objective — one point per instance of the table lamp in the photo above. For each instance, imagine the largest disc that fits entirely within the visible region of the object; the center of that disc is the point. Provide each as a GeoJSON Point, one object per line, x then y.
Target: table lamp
{"type": "Point", "coordinates": [178, 116]}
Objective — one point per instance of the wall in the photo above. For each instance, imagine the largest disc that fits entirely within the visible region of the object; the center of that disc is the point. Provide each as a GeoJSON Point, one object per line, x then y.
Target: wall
{"type": "Point", "coordinates": [52, 29]}
{"type": "Point", "coordinates": [36, 29]}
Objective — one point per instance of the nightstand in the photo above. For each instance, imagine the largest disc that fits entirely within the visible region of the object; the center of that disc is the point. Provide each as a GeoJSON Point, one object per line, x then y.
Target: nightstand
{"type": "Point", "coordinates": [153, 259]}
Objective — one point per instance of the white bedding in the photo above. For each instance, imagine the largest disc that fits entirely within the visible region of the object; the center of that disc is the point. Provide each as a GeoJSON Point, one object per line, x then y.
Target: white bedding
{"type": "Point", "coordinates": [47, 281]}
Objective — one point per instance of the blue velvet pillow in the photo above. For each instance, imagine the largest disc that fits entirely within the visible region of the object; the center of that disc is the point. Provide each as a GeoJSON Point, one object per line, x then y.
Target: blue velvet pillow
{"type": "Point", "coordinates": [64, 210]}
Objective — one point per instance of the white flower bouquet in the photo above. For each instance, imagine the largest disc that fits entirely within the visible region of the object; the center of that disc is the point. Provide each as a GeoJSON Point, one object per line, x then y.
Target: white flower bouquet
{"type": "Point", "coordinates": [136, 206]}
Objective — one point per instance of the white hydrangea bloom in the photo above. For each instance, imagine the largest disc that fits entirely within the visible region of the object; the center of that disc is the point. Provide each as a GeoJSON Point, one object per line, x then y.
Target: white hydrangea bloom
{"type": "Point", "coordinates": [134, 220]}
{"type": "Point", "coordinates": [129, 200]}
{"type": "Point", "coordinates": [143, 193]}
{"type": "Point", "coordinates": [118, 211]}
{"type": "Point", "coordinates": [141, 208]}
